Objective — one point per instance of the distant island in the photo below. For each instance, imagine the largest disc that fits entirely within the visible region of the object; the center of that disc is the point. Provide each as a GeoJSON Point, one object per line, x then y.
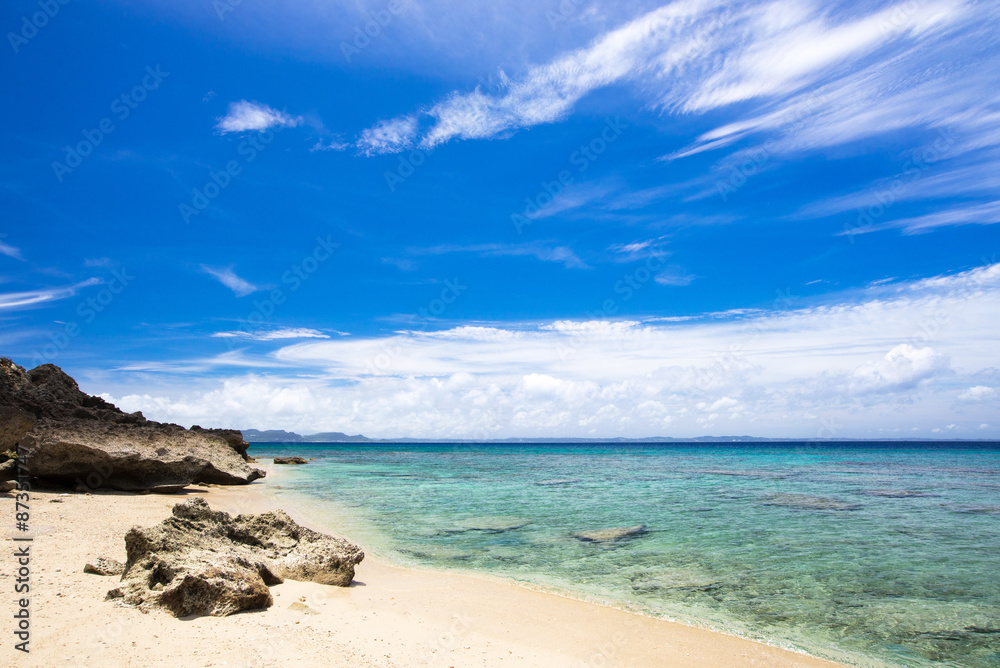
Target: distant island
{"type": "Point", "coordinates": [282, 436]}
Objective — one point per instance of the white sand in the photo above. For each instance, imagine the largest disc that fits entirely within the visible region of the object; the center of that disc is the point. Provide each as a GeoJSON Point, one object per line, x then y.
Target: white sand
{"type": "Point", "coordinates": [392, 616]}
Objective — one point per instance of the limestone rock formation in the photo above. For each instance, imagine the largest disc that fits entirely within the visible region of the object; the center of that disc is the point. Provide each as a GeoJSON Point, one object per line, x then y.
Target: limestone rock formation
{"type": "Point", "coordinates": [233, 437]}
{"type": "Point", "coordinates": [290, 460]}
{"type": "Point", "coordinates": [72, 438]}
{"type": "Point", "coordinates": [205, 562]}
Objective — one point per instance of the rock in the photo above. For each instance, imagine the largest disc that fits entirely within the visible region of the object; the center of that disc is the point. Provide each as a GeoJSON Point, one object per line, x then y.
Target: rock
{"type": "Point", "coordinates": [289, 460]}
{"type": "Point", "coordinates": [72, 438]}
{"type": "Point", "coordinates": [611, 535]}
{"type": "Point", "coordinates": [8, 470]}
{"type": "Point", "coordinates": [895, 493]}
{"type": "Point", "coordinates": [232, 437]}
{"type": "Point", "coordinates": [138, 457]}
{"type": "Point", "coordinates": [489, 524]}
{"type": "Point", "coordinates": [204, 562]}
{"type": "Point", "coordinates": [104, 566]}
{"type": "Point", "coordinates": [806, 502]}
{"type": "Point", "coordinates": [14, 424]}
{"type": "Point", "coordinates": [7, 486]}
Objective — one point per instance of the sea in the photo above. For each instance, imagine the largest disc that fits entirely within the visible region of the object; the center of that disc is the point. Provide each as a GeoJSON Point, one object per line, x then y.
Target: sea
{"type": "Point", "coordinates": [866, 553]}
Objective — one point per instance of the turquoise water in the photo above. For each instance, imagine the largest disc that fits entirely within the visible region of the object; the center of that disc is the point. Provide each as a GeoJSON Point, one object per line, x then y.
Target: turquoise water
{"type": "Point", "coordinates": [866, 553]}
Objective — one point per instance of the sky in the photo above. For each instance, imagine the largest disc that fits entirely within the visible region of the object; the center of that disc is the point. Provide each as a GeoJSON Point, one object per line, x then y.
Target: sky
{"type": "Point", "coordinates": [444, 219]}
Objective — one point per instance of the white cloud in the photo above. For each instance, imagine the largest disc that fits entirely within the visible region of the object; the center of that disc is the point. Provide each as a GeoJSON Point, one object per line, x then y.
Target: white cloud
{"type": "Point", "coordinates": [888, 357]}
{"type": "Point", "coordinates": [10, 251]}
{"type": "Point", "coordinates": [978, 393]}
{"type": "Point", "coordinates": [960, 214]}
{"type": "Point", "coordinates": [902, 368]}
{"type": "Point", "coordinates": [537, 250]}
{"type": "Point", "coordinates": [674, 276]}
{"type": "Point", "coordinates": [332, 145]}
{"type": "Point", "coordinates": [389, 136]}
{"type": "Point", "coordinates": [275, 334]}
{"type": "Point", "coordinates": [246, 116]}
{"type": "Point", "coordinates": [14, 300]}
{"type": "Point", "coordinates": [226, 276]}
{"type": "Point", "coordinates": [696, 55]}
{"type": "Point", "coordinates": [476, 333]}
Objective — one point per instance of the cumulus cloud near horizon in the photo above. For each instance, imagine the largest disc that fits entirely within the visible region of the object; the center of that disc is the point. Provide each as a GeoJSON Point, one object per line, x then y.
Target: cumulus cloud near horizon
{"type": "Point", "coordinates": [887, 363]}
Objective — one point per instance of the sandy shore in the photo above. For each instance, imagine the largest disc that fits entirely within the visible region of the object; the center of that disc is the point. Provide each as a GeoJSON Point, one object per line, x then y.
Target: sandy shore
{"type": "Point", "coordinates": [391, 616]}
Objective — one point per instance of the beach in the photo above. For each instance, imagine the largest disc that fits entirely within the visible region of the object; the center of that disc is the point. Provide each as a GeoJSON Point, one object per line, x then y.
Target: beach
{"type": "Point", "coordinates": [390, 616]}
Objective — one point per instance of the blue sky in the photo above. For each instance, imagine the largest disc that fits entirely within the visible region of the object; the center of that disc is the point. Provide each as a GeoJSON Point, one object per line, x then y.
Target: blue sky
{"type": "Point", "coordinates": [442, 219]}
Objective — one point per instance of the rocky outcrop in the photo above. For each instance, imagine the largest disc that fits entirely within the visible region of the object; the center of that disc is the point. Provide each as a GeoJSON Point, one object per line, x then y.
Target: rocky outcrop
{"type": "Point", "coordinates": [205, 562]}
{"type": "Point", "coordinates": [14, 424]}
{"type": "Point", "coordinates": [290, 460]}
{"type": "Point", "coordinates": [72, 438]}
{"type": "Point", "coordinates": [232, 437]}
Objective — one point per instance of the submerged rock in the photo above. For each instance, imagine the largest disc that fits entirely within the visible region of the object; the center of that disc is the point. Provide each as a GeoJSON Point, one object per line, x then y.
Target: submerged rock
{"type": "Point", "coordinates": [72, 438]}
{"type": "Point", "coordinates": [489, 524]}
{"type": "Point", "coordinates": [290, 460]}
{"type": "Point", "coordinates": [895, 493]}
{"type": "Point", "coordinates": [205, 562]}
{"type": "Point", "coordinates": [611, 535]}
{"type": "Point", "coordinates": [806, 502]}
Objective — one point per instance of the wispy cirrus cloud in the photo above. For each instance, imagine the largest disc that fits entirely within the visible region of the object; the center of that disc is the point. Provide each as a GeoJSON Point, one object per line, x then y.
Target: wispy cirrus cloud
{"type": "Point", "coordinates": [331, 145]}
{"type": "Point", "coordinates": [11, 251]}
{"type": "Point", "coordinates": [228, 277]}
{"type": "Point", "coordinates": [15, 300]}
{"type": "Point", "coordinates": [276, 334]}
{"type": "Point", "coordinates": [692, 56]}
{"type": "Point", "coordinates": [674, 276]}
{"type": "Point", "coordinates": [244, 116]}
{"type": "Point", "coordinates": [954, 214]}
{"type": "Point", "coordinates": [538, 250]}
{"type": "Point", "coordinates": [389, 136]}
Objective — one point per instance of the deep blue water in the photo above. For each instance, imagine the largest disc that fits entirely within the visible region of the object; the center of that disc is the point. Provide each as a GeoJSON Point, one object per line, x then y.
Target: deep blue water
{"type": "Point", "coordinates": [855, 551]}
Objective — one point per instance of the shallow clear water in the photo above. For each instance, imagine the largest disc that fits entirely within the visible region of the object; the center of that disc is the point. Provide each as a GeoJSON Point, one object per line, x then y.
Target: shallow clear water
{"type": "Point", "coordinates": [859, 552]}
